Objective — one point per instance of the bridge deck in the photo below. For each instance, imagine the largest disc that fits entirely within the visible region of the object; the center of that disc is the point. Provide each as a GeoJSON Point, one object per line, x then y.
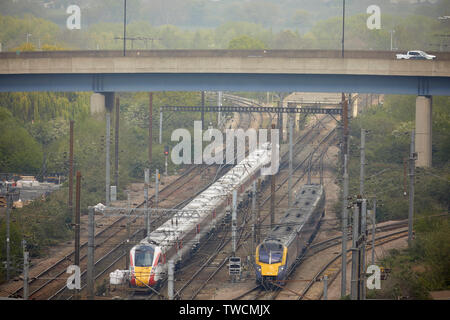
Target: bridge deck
{"type": "Point", "coordinates": [192, 70]}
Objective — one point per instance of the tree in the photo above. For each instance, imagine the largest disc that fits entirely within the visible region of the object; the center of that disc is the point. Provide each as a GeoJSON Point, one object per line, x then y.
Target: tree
{"type": "Point", "coordinates": [19, 152]}
{"type": "Point", "coordinates": [27, 46]}
{"type": "Point", "coordinates": [301, 19]}
{"type": "Point", "coordinates": [246, 43]}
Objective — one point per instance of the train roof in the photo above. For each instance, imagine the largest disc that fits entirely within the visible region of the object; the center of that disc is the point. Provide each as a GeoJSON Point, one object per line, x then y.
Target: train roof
{"type": "Point", "coordinates": [296, 218]}
{"type": "Point", "coordinates": [191, 214]}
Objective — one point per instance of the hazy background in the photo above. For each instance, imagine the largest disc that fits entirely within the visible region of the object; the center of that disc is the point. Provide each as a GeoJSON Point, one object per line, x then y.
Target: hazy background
{"type": "Point", "coordinates": [212, 24]}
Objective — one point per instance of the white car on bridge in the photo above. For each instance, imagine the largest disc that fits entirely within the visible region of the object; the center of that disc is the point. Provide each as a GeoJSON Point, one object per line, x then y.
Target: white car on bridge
{"type": "Point", "coordinates": [415, 55]}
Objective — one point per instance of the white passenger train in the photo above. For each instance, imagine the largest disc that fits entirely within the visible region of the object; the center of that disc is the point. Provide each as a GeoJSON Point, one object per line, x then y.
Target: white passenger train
{"type": "Point", "coordinates": [178, 237]}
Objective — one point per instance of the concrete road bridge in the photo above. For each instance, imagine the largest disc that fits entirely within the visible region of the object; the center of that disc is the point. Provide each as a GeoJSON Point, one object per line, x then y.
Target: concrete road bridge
{"type": "Point", "coordinates": [234, 70]}
{"type": "Point", "coordinates": [224, 70]}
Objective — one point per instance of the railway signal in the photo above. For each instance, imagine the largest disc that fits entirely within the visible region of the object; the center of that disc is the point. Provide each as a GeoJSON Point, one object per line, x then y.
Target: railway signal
{"type": "Point", "coordinates": [166, 154]}
{"type": "Point", "coordinates": [234, 267]}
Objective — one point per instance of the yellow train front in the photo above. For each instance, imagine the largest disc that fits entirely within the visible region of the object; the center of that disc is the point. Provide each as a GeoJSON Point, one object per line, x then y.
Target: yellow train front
{"type": "Point", "coordinates": [276, 256]}
{"type": "Point", "coordinates": [271, 263]}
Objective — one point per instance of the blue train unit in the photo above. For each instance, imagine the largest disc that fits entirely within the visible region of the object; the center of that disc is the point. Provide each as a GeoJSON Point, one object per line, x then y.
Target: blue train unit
{"type": "Point", "coordinates": [276, 255]}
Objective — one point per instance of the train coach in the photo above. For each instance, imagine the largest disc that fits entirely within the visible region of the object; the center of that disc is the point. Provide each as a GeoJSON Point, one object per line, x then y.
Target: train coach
{"type": "Point", "coordinates": [276, 255]}
{"type": "Point", "coordinates": [178, 238]}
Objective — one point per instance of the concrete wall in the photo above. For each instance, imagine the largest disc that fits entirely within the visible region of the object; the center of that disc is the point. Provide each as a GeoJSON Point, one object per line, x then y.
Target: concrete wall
{"type": "Point", "coordinates": [185, 61]}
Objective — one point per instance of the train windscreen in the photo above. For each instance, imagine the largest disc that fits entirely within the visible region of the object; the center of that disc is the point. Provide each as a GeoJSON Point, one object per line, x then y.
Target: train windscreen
{"type": "Point", "coordinates": [144, 257]}
{"type": "Point", "coordinates": [270, 253]}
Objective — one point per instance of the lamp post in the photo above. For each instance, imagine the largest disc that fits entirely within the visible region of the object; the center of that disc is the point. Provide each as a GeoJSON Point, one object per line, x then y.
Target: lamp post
{"type": "Point", "coordinates": [124, 27]}
{"type": "Point", "coordinates": [343, 26]}
{"type": "Point", "coordinates": [391, 32]}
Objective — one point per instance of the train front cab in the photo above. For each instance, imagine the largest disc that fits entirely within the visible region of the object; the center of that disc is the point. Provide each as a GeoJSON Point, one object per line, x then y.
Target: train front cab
{"type": "Point", "coordinates": [143, 260]}
{"type": "Point", "coordinates": [271, 263]}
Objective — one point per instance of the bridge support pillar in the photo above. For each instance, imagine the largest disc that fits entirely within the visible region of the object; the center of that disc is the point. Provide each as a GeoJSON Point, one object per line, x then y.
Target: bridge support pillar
{"type": "Point", "coordinates": [355, 107]}
{"type": "Point", "coordinates": [423, 131]}
{"type": "Point", "coordinates": [98, 106]}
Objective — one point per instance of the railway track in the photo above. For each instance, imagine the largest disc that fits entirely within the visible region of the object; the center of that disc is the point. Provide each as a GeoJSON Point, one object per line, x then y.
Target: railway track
{"type": "Point", "coordinates": [198, 278]}
{"type": "Point", "coordinates": [333, 266]}
{"type": "Point", "coordinates": [258, 292]}
{"type": "Point", "coordinates": [244, 121]}
{"type": "Point", "coordinates": [111, 258]}
{"type": "Point", "coordinates": [53, 278]}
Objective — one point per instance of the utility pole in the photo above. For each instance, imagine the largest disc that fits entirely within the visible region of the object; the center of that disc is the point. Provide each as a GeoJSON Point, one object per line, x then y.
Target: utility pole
{"type": "Point", "coordinates": [77, 219]}
{"type": "Point", "coordinates": [108, 170]}
{"type": "Point", "coordinates": [272, 201]}
{"type": "Point", "coordinates": [254, 218]}
{"type": "Point", "coordinates": [71, 166]}
{"type": "Point", "coordinates": [363, 160]}
{"type": "Point", "coordinates": [170, 285]}
{"type": "Point", "coordinates": [156, 187]}
{"type": "Point", "coordinates": [290, 162]}
{"type": "Point", "coordinates": [146, 183]}
{"type": "Point", "coordinates": [127, 246]}
{"type": "Point", "coordinates": [90, 262]}
{"type": "Point", "coordinates": [355, 252]}
{"type": "Point", "coordinates": [116, 144]}
{"type": "Point", "coordinates": [8, 235]}
{"type": "Point", "coordinates": [258, 213]}
{"type": "Point", "coordinates": [344, 117]}
{"type": "Point", "coordinates": [150, 127]}
{"type": "Point", "coordinates": [374, 228]}
{"type": "Point", "coordinates": [362, 246]}
{"type": "Point", "coordinates": [412, 164]}
{"type": "Point", "coordinates": [203, 109]}
{"type": "Point", "coordinates": [344, 229]}
{"type": "Point", "coordinates": [219, 104]}
{"type": "Point", "coordinates": [234, 222]}
{"type": "Point", "coordinates": [26, 265]}
{"type": "Point", "coordinates": [345, 156]}
{"type": "Point", "coordinates": [160, 126]}
{"type": "Point", "coordinates": [233, 231]}
{"type": "Point", "coordinates": [325, 287]}
{"type": "Point", "coordinates": [272, 194]}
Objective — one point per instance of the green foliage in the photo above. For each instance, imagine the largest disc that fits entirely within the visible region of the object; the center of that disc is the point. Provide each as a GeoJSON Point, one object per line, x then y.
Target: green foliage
{"type": "Point", "coordinates": [134, 128]}
{"type": "Point", "coordinates": [15, 246]}
{"type": "Point", "coordinates": [246, 43]}
{"type": "Point", "coordinates": [204, 24]}
{"type": "Point", "coordinates": [424, 266]}
{"type": "Point", "coordinates": [387, 146]}
{"type": "Point", "coordinates": [14, 30]}
{"type": "Point", "coordinates": [35, 106]}
{"type": "Point", "coordinates": [19, 152]}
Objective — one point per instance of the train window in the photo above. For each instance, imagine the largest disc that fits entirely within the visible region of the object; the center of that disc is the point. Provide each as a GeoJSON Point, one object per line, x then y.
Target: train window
{"type": "Point", "coordinates": [314, 192]}
{"type": "Point", "coordinates": [144, 257]}
{"type": "Point", "coordinates": [271, 253]}
{"type": "Point", "coordinates": [307, 203]}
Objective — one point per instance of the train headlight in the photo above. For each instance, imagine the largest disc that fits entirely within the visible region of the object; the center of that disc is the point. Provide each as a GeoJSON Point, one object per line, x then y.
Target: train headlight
{"type": "Point", "coordinates": [281, 269]}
